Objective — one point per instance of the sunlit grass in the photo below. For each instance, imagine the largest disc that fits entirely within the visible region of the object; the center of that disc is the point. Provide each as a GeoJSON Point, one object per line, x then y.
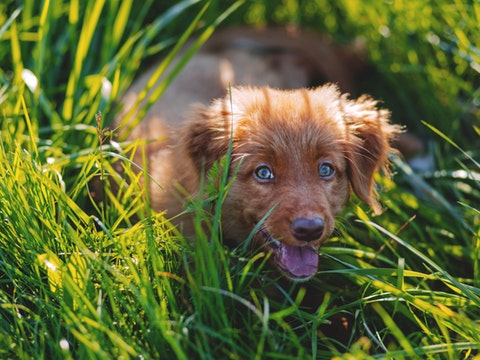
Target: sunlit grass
{"type": "Point", "coordinates": [111, 279]}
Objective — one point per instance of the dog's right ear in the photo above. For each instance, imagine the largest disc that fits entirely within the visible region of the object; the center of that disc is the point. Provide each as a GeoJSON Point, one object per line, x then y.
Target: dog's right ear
{"type": "Point", "coordinates": [206, 138]}
{"type": "Point", "coordinates": [370, 134]}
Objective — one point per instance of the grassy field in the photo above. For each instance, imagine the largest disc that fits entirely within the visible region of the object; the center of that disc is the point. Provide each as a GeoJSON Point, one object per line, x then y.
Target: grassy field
{"type": "Point", "coordinates": [80, 280]}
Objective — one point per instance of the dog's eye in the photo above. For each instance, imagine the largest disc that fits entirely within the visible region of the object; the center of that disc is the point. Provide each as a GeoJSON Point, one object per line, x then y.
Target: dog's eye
{"type": "Point", "coordinates": [263, 173]}
{"type": "Point", "coordinates": [326, 170]}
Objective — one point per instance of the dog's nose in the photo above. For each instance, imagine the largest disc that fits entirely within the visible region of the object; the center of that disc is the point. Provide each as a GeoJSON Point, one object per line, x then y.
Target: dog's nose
{"type": "Point", "coordinates": [307, 229]}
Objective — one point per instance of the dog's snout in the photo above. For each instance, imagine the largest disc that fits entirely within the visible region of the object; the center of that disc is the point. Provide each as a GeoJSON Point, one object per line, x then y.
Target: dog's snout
{"type": "Point", "coordinates": [308, 229]}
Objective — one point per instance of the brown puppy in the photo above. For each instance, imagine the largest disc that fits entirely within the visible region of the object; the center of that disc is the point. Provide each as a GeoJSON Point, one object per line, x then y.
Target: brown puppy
{"type": "Point", "coordinates": [296, 153]}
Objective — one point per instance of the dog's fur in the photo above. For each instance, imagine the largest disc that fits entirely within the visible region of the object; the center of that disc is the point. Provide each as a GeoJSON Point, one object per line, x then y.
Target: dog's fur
{"type": "Point", "coordinates": [297, 152]}
{"type": "Point", "coordinates": [295, 156]}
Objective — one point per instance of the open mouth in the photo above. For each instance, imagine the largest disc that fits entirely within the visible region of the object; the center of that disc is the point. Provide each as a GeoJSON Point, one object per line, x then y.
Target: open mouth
{"type": "Point", "coordinates": [298, 263]}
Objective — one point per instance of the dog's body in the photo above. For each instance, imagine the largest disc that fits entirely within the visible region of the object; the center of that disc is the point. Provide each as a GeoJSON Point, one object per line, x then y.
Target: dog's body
{"type": "Point", "coordinates": [295, 156]}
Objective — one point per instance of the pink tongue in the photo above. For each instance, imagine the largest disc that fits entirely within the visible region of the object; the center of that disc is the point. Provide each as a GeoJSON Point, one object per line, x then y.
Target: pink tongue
{"type": "Point", "coordinates": [299, 261]}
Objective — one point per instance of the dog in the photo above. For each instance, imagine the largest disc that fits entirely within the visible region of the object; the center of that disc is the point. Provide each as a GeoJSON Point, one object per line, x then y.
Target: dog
{"type": "Point", "coordinates": [295, 153]}
{"type": "Point", "coordinates": [296, 156]}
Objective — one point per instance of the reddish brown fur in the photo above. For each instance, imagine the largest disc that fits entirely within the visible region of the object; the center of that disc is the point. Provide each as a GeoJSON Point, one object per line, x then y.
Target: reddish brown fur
{"type": "Point", "coordinates": [292, 132]}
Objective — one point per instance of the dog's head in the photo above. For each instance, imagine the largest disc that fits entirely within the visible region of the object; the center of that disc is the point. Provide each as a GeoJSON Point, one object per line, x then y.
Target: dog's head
{"type": "Point", "coordinates": [301, 151]}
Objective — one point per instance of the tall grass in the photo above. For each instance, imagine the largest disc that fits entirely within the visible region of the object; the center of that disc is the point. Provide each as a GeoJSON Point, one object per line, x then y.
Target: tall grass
{"type": "Point", "coordinates": [80, 280]}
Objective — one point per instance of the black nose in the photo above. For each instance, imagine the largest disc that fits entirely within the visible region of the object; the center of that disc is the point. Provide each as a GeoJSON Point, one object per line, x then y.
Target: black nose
{"type": "Point", "coordinates": [306, 229]}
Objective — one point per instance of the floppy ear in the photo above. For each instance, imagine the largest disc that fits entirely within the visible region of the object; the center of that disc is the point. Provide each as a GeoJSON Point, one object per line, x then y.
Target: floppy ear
{"type": "Point", "coordinates": [207, 135]}
{"type": "Point", "coordinates": [369, 135]}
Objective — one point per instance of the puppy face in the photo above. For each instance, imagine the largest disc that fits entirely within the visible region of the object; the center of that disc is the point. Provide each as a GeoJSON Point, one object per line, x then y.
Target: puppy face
{"type": "Point", "coordinates": [296, 153]}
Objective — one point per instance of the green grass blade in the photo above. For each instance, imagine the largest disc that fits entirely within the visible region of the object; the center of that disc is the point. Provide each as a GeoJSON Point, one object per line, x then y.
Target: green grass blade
{"type": "Point", "coordinates": [8, 23]}
{"type": "Point", "coordinates": [92, 16]}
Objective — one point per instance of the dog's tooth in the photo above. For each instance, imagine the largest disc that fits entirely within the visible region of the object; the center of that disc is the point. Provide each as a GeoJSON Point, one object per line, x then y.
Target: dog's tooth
{"type": "Point", "coordinates": [315, 247]}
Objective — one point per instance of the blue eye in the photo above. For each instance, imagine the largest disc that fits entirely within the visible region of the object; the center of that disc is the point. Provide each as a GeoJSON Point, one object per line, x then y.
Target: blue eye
{"type": "Point", "coordinates": [264, 173]}
{"type": "Point", "coordinates": [326, 170]}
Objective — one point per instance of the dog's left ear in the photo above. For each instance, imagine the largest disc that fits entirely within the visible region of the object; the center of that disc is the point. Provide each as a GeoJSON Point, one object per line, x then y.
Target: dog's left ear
{"type": "Point", "coordinates": [368, 143]}
{"type": "Point", "coordinates": [207, 135]}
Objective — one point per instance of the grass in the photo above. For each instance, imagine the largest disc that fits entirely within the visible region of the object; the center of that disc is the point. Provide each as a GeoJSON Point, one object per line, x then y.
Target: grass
{"type": "Point", "coordinates": [79, 280]}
